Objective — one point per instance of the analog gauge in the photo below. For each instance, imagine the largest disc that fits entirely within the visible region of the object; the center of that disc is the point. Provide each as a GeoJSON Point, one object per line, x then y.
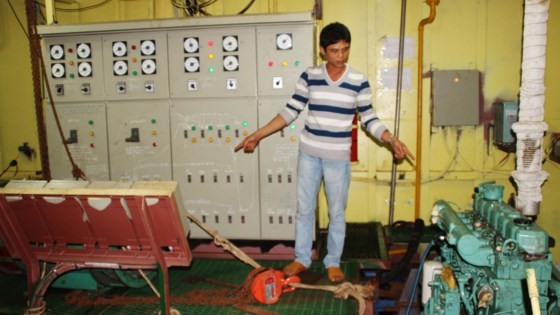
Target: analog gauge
{"type": "Point", "coordinates": [148, 47]}
{"type": "Point", "coordinates": [57, 52]}
{"type": "Point", "coordinates": [230, 43]}
{"type": "Point", "coordinates": [231, 63]}
{"type": "Point", "coordinates": [120, 67]}
{"type": "Point", "coordinates": [58, 70]}
{"type": "Point", "coordinates": [119, 49]}
{"type": "Point", "coordinates": [190, 44]}
{"type": "Point", "coordinates": [83, 50]}
{"type": "Point", "coordinates": [84, 69]}
{"type": "Point", "coordinates": [192, 64]}
{"type": "Point", "coordinates": [284, 41]}
{"type": "Point", "coordinates": [148, 66]}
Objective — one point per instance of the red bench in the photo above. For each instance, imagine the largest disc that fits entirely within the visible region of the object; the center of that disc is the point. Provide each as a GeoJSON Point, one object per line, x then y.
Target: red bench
{"type": "Point", "coordinates": [75, 225]}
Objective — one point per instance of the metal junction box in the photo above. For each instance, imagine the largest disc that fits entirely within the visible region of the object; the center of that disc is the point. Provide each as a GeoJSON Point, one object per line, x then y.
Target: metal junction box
{"type": "Point", "coordinates": [455, 97]}
{"type": "Point", "coordinates": [505, 114]}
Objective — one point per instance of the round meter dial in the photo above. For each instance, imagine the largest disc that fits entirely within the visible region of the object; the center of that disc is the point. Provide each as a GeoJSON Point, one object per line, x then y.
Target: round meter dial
{"type": "Point", "coordinates": [190, 44]}
{"type": "Point", "coordinates": [231, 63]}
{"type": "Point", "coordinates": [57, 52]}
{"type": "Point", "coordinates": [119, 49]}
{"type": "Point", "coordinates": [84, 69]}
{"type": "Point", "coordinates": [284, 41]}
{"type": "Point", "coordinates": [192, 64]}
{"type": "Point", "coordinates": [148, 47]}
{"type": "Point", "coordinates": [120, 67]}
{"type": "Point", "coordinates": [148, 66]}
{"type": "Point", "coordinates": [230, 43]}
{"type": "Point", "coordinates": [57, 70]}
{"type": "Point", "coordinates": [83, 50]}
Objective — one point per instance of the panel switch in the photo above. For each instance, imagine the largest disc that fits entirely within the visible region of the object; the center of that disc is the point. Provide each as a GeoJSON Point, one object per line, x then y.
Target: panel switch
{"type": "Point", "coordinates": [121, 87]}
{"type": "Point", "coordinates": [134, 135]}
{"type": "Point", "coordinates": [231, 84]}
{"type": "Point", "coordinates": [86, 89]}
{"type": "Point", "coordinates": [277, 83]}
{"type": "Point", "coordinates": [192, 85]}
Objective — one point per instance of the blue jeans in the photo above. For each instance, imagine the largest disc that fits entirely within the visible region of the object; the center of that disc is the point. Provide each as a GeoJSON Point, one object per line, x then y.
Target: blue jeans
{"type": "Point", "coordinates": [336, 175]}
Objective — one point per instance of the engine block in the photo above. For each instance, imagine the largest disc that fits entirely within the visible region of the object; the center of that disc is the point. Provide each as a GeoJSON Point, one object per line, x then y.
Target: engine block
{"type": "Point", "coordinates": [485, 254]}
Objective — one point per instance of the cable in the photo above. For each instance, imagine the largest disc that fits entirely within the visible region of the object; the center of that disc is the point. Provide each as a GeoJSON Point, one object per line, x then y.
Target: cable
{"type": "Point", "coordinates": [246, 7]}
{"type": "Point", "coordinates": [411, 249]}
{"type": "Point", "coordinates": [13, 163]}
{"type": "Point", "coordinates": [415, 286]}
{"type": "Point", "coordinates": [17, 18]}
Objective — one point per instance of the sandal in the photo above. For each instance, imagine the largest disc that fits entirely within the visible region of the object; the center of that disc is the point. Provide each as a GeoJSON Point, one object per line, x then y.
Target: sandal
{"type": "Point", "coordinates": [335, 274]}
{"type": "Point", "coordinates": [293, 269]}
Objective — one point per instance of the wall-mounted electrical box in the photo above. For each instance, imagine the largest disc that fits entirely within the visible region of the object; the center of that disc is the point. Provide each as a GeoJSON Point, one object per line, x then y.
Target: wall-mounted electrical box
{"type": "Point", "coordinates": [455, 97]}
{"type": "Point", "coordinates": [505, 114]}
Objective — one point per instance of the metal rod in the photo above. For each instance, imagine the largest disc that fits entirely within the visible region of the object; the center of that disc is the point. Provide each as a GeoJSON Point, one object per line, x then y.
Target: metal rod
{"type": "Point", "coordinates": [397, 111]}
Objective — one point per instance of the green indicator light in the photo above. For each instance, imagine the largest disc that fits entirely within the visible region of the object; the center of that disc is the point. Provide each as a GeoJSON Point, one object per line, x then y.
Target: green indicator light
{"type": "Point", "coordinates": [193, 128]}
{"type": "Point", "coordinates": [134, 72]}
{"type": "Point", "coordinates": [211, 70]}
{"type": "Point", "coordinates": [90, 122]}
{"type": "Point", "coordinates": [153, 120]}
{"type": "Point", "coordinates": [227, 127]}
{"type": "Point", "coordinates": [71, 76]}
{"type": "Point", "coordinates": [293, 126]}
{"type": "Point", "coordinates": [297, 63]}
{"type": "Point", "coordinates": [245, 124]}
{"type": "Point", "coordinates": [210, 128]}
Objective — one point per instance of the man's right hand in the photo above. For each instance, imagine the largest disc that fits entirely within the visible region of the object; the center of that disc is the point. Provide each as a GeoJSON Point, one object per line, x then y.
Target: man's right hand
{"type": "Point", "coordinates": [248, 144]}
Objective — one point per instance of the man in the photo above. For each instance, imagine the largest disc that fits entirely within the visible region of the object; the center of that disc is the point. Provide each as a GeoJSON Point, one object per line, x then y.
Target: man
{"type": "Point", "coordinates": [333, 92]}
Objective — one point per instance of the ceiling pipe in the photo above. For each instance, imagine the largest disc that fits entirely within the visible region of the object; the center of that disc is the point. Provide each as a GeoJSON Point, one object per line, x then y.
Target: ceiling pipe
{"type": "Point", "coordinates": [397, 111]}
{"type": "Point", "coordinates": [428, 20]}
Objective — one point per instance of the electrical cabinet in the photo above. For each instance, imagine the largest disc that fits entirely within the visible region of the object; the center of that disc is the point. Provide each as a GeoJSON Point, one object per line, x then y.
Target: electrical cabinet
{"type": "Point", "coordinates": [455, 97]}
{"type": "Point", "coordinates": [505, 115]}
{"type": "Point", "coordinates": [170, 100]}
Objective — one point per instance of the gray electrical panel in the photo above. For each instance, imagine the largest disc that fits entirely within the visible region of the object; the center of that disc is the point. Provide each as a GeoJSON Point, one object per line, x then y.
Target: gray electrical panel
{"type": "Point", "coordinates": [84, 129]}
{"type": "Point", "coordinates": [455, 97]}
{"type": "Point", "coordinates": [505, 115]}
{"type": "Point", "coordinates": [170, 100]}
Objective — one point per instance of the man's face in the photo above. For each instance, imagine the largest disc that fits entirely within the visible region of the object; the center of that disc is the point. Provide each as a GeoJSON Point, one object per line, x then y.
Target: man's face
{"type": "Point", "coordinates": [337, 54]}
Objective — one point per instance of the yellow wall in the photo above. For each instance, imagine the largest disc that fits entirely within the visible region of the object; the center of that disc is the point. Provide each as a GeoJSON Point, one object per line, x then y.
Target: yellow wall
{"type": "Point", "coordinates": [468, 34]}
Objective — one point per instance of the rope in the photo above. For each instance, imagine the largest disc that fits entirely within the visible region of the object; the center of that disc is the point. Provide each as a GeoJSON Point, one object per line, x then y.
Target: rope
{"type": "Point", "coordinates": [39, 71]}
{"type": "Point", "coordinates": [341, 291]}
{"type": "Point", "coordinates": [227, 245]}
{"type": "Point", "coordinates": [39, 310]}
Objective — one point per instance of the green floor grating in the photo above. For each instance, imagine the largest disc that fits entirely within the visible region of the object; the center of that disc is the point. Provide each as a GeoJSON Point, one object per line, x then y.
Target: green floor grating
{"type": "Point", "coordinates": [301, 302]}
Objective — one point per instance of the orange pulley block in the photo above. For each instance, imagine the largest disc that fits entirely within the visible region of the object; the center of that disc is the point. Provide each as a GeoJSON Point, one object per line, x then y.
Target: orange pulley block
{"type": "Point", "coordinates": [269, 284]}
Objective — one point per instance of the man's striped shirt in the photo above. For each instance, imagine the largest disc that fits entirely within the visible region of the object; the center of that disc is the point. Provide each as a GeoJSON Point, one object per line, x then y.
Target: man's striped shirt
{"type": "Point", "coordinates": [331, 108]}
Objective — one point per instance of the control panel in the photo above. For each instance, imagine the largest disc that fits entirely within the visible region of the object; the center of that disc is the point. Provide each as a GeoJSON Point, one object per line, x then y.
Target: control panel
{"type": "Point", "coordinates": [135, 65]}
{"type": "Point", "coordinates": [139, 143]}
{"type": "Point", "coordinates": [213, 62]}
{"type": "Point", "coordinates": [84, 128]}
{"type": "Point", "coordinates": [170, 100]}
{"type": "Point", "coordinates": [74, 67]}
{"type": "Point", "coordinates": [219, 186]}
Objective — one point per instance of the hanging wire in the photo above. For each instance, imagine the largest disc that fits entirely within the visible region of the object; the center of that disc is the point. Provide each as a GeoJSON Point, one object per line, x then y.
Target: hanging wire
{"type": "Point", "coordinates": [197, 7]}
{"type": "Point", "coordinates": [17, 18]}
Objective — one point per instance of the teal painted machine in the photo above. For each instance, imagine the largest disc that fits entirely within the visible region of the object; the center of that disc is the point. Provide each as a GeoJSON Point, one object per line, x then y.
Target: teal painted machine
{"type": "Point", "coordinates": [484, 257]}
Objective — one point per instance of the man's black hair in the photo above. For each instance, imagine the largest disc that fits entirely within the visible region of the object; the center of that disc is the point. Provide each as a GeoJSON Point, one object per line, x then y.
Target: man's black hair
{"type": "Point", "coordinates": [334, 33]}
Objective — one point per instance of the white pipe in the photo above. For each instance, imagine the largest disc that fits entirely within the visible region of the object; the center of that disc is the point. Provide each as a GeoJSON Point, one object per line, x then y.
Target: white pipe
{"type": "Point", "coordinates": [530, 128]}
